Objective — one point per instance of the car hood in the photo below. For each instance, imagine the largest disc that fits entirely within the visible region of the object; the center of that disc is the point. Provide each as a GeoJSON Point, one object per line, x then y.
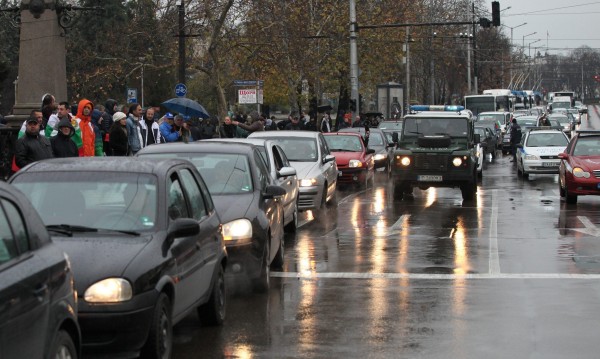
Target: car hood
{"type": "Point", "coordinates": [342, 158]}
{"type": "Point", "coordinates": [233, 206]}
{"type": "Point", "coordinates": [545, 151]}
{"type": "Point", "coordinates": [589, 163]}
{"type": "Point", "coordinates": [98, 257]}
{"type": "Point", "coordinates": [304, 169]}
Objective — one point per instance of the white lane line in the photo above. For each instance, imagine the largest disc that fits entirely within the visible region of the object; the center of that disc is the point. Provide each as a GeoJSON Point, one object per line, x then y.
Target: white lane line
{"type": "Point", "coordinates": [350, 275]}
{"type": "Point", "coordinates": [398, 225]}
{"type": "Point", "coordinates": [590, 228]}
{"type": "Point", "coordinates": [494, 257]}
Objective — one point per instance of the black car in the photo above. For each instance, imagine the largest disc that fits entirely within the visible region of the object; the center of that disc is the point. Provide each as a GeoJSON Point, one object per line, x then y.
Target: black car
{"type": "Point", "coordinates": [38, 308]}
{"type": "Point", "coordinates": [383, 148]}
{"type": "Point", "coordinates": [145, 243]}
{"type": "Point", "coordinates": [487, 140]}
{"type": "Point", "coordinates": [249, 204]}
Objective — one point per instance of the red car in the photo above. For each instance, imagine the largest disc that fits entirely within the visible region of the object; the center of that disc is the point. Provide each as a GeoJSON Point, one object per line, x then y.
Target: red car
{"type": "Point", "coordinates": [579, 171]}
{"type": "Point", "coordinates": [355, 162]}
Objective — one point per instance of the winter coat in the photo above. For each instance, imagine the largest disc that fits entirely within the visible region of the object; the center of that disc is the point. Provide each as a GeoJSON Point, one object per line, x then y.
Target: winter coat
{"type": "Point", "coordinates": [63, 145]}
{"type": "Point", "coordinates": [133, 134]}
{"type": "Point", "coordinates": [253, 127]}
{"type": "Point", "coordinates": [31, 148]}
{"type": "Point", "coordinates": [150, 132]}
{"type": "Point", "coordinates": [227, 131]}
{"type": "Point", "coordinates": [168, 132]}
{"type": "Point", "coordinates": [118, 140]}
{"type": "Point", "coordinates": [294, 126]}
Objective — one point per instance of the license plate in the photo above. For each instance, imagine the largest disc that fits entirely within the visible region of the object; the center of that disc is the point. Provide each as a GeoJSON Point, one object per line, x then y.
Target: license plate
{"type": "Point", "coordinates": [550, 164]}
{"type": "Point", "coordinates": [428, 178]}
{"type": "Point", "coordinates": [339, 173]}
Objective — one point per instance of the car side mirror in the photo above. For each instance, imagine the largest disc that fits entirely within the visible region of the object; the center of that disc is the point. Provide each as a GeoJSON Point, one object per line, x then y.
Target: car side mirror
{"type": "Point", "coordinates": [286, 172]}
{"type": "Point", "coordinates": [328, 158]}
{"type": "Point", "coordinates": [182, 227]}
{"type": "Point", "coordinates": [370, 151]}
{"type": "Point", "coordinates": [563, 156]}
{"type": "Point", "coordinates": [274, 191]}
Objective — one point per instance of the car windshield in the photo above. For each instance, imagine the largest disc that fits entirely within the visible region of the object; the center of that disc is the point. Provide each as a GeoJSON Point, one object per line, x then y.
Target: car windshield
{"type": "Point", "coordinates": [339, 143]}
{"type": "Point", "coordinates": [223, 173]}
{"type": "Point", "coordinates": [102, 200]}
{"type": "Point", "coordinates": [562, 119]}
{"type": "Point", "coordinates": [298, 149]}
{"type": "Point", "coordinates": [375, 139]}
{"type": "Point", "coordinates": [587, 146]}
{"type": "Point", "coordinates": [388, 125]}
{"type": "Point", "coordinates": [454, 127]}
{"type": "Point", "coordinates": [547, 140]}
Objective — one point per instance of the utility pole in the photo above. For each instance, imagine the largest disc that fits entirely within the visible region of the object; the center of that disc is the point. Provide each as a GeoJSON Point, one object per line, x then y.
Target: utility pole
{"type": "Point", "coordinates": [354, 58]}
{"type": "Point", "coordinates": [181, 43]}
{"type": "Point", "coordinates": [407, 106]}
{"type": "Point", "coordinates": [475, 51]}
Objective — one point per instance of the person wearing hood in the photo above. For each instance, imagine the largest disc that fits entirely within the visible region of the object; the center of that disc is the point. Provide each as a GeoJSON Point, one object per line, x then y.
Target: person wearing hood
{"type": "Point", "coordinates": [110, 107]}
{"type": "Point", "coordinates": [87, 143]}
{"type": "Point", "coordinates": [62, 145]}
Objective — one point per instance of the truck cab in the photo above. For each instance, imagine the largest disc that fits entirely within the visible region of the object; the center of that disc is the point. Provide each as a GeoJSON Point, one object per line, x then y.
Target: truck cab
{"type": "Point", "coordinates": [436, 148]}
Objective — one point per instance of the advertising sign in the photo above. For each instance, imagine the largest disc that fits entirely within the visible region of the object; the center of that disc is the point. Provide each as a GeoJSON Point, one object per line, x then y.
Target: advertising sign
{"type": "Point", "coordinates": [247, 96]}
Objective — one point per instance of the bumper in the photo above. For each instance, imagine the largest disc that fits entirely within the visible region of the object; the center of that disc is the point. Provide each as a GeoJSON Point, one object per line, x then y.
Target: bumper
{"type": "Point", "coordinates": [114, 330]}
{"type": "Point", "coordinates": [244, 259]}
{"type": "Point", "coordinates": [584, 186]}
{"type": "Point", "coordinates": [309, 197]}
{"type": "Point", "coordinates": [351, 175]}
{"type": "Point", "coordinates": [541, 166]}
{"type": "Point", "coordinates": [433, 179]}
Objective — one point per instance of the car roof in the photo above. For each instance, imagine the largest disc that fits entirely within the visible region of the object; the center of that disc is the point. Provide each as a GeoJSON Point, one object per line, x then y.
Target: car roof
{"type": "Point", "coordinates": [284, 133]}
{"type": "Point", "coordinates": [342, 133]}
{"type": "Point", "coordinates": [104, 164]}
{"type": "Point", "coordinates": [493, 113]}
{"type": "Point", "coordinates": [360, 130]}
{"type": "Point", "coordinates": [200, 146]}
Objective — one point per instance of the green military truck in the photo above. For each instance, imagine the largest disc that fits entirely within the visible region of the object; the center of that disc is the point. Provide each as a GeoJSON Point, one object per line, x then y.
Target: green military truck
{"type": "Point", "coordinates": [436, 148]}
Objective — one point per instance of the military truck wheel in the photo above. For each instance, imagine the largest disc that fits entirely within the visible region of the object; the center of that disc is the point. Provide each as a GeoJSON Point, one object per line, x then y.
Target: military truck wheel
{"type": "Point", "coordinates": [399, 190]}
{"type": "Point", "coordinates": [469, 190]}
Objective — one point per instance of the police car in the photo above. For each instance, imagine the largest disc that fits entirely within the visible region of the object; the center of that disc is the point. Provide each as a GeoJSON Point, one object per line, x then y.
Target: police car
{"type": "Point", "coordinates": [538, 151]}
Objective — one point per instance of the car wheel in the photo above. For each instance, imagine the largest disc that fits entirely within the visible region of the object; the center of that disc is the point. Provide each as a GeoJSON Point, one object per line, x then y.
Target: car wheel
{"type": "Point", "coordinates": [63, 347]}
{"type": "Point", "coordinates": [571, 198]}
{"type": "Point", "coordinates": [469, 190]}
{"type": "Point", "coordinates": [213, 311]}
{"type": "Point", "coordinates": [519, 173]}
{"type": "Point", "coordinates": [160, 338]}
{"type": "Point", "coordinates": [399, 190]}
{"type": "Point", "coordinates": [561, 190]}
{"type": "Point", "coordinates": [525, 174]}
{"type": "Point", "coordinates": [324, 196]}
{"type": "Point", "coordinates": [277, 262]}
{"type": "Point", "coordinates": [262, 283]}
{"type": "Point", "coordinates": [293, 225]}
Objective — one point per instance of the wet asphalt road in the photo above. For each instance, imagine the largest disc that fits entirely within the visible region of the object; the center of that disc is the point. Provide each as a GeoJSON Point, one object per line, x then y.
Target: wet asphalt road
{"type": "Point", "coordinates": [514, 275]}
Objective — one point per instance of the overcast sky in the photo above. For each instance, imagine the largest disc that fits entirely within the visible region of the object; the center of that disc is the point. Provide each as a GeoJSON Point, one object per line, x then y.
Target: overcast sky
{"type": "Point", "coordinates": [561, 25]}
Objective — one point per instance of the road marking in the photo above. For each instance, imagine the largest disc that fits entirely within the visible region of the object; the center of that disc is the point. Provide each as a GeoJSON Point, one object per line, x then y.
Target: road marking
{"type": "Point", "coordinates": [590, 228]}
{"type": "Point", "coordinates": [494, 258]}
{"type": "Point", "coordinates": [351, 275]}
{"type": "Point", "coordinates": [398, 225]}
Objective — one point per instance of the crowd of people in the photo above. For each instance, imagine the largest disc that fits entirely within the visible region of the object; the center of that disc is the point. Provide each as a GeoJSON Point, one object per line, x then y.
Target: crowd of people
{"type": "Point", "coordinates": [86, 129]}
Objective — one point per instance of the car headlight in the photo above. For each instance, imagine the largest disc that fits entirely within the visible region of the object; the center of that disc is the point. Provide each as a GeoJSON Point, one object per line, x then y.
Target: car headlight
{"type": "Point", "coordinates": [532, 157]}
{"type": "Point", "coordinates": [237, 230]}
{"type": "Point", "coordinates": [457, 161]}
{"type": "Point", "coordinates": [404, 161]}
{"type": "Point", "coordinates": [354, 163]}
{"type": "Point", "coordinates": [308, 182]}
{"type": "Point", "coordinates": [380, 156]}
{"type": "Point", "coordinates": [109, 290]}
{"type": "Point", "coordinates": [579, 173]}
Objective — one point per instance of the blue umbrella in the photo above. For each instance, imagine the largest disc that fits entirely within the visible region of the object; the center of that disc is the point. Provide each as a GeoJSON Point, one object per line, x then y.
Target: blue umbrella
{"type": "Point", "coordinates": [185, 106]}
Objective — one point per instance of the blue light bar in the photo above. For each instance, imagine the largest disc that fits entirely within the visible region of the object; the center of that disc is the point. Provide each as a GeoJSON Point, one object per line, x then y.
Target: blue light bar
{"type": "Point", "coordinates": [453, 108]}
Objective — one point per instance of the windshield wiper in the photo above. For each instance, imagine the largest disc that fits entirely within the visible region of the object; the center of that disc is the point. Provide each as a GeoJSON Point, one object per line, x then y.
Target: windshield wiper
{"type": "Point", "coordinates": [68, 229]}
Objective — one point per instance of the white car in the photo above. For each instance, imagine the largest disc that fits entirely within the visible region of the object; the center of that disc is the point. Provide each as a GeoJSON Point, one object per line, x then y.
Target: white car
{"type": "Point", "coordinates": [315, 167]}
{"type": "Point", "coordinates": [538, 151]}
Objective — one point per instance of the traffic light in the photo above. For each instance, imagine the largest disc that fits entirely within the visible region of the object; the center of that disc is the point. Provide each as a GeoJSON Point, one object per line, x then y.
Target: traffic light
{"type": "Point", "coordinates": [596, 78]}
{"type": "Point", "coordinates": [495, 13]}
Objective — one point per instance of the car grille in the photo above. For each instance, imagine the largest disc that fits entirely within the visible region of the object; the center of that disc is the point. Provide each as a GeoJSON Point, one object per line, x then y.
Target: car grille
{"type": "Point", "coordinates": [549, 157]}
{"type": "Point", "coordinates": [431, 162]}
{"type": "Point", "coordinates": [597, 173]}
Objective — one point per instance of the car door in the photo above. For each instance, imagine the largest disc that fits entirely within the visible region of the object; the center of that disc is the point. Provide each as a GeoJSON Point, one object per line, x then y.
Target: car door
{"type": "Point", "coordinates": [289, 183]}
{"type": "Point", "coordinates": [328, 168]}
{"type": "Point", "coordinates": [24, 288]}
{"type": "Point", "coordinates": [185, 250]}
{"type": "Point", "coordinates": [209, 240]}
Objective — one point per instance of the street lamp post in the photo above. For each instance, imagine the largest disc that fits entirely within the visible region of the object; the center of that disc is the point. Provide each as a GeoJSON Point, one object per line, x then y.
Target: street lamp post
{"type": "Point", "coordinates": [511, 45]}
{"type": "Point", "coordinates": [529, 60]}
{"type": "Point", "coordinates": [524, 36]}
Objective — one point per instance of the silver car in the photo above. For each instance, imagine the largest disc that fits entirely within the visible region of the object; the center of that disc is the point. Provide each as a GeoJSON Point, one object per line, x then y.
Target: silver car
{"type": "Point", "coordinates": [315, 167]}
{"type": "Point", "coordinates": [280, 168]}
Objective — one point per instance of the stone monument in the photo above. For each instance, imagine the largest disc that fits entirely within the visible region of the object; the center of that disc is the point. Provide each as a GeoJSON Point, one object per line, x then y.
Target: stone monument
{"type": "Point", "coordinates": [42, 58]}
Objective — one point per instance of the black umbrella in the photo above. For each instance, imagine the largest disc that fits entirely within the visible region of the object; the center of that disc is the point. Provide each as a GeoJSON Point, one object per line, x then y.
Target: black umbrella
{"type": "Point", "coordinates": [185, 106]}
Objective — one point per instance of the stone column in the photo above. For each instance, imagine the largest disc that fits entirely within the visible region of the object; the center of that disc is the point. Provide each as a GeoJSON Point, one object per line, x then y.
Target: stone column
{"type": "Point", "coordinates": [42, 63]}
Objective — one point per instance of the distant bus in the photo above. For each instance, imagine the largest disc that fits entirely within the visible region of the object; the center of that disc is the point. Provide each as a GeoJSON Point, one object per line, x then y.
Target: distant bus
{"type": "Point", "coordinates": [489, 103]}
{"type": "Point", "coordinates": [571, 94]}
